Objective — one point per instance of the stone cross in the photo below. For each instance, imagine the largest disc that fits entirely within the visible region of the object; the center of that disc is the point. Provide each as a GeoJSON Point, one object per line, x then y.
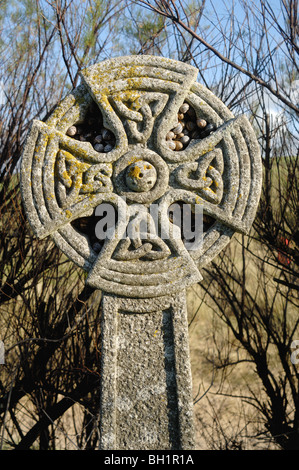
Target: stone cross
{"type": "Point", "coordinates": [139, 135]}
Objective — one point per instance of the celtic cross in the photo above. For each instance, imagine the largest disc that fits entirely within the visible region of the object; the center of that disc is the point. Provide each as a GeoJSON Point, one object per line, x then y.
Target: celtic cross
{"type": "Point", "coordinates": [140, 133]}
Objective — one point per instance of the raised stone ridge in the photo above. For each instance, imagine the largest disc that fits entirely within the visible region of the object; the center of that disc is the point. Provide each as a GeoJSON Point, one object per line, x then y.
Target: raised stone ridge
{"type": "Point", "coordinates": [137, 104]}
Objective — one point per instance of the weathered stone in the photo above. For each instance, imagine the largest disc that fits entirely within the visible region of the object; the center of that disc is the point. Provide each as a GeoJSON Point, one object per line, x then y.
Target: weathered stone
{"type": "Point", "coordinates": [137, 100]}
{"type": "Point", "coordinates": [146, 400]}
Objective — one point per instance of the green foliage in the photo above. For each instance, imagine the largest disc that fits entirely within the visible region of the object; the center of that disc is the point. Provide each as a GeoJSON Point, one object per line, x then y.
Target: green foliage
{"type": "Point", "coordinates": [138, 31]}
{"type": "Point", "coordinates": [93, 18]}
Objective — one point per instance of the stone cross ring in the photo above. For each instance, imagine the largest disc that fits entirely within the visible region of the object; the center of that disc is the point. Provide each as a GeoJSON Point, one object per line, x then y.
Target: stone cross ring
{"type": "Point", "coordinates": [141, 140]}
{"type": "Point", "coordinates": [140, 130]}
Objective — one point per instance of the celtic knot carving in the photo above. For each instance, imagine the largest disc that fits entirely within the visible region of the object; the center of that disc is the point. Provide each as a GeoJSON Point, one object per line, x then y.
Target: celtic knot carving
{"type": "Point", "coordinates": [77, 178]}
{"type": "Point", "coordinates": [143, 243]}
{"type": "Point", "coordinates": [204, 176]}
{"type": "Point", "coordinates": [139, 111]}
{"type": "Point", "coordinates": [140, 132]}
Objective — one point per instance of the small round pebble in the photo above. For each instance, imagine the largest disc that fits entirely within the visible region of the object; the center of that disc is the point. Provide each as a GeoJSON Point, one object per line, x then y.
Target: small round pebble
{"type": "Point", "coordinates": [178, 145]}
{"type": "Point", "coordinates": [171, 144]}
{"type": "Point", "coordinates": [201, 123]}
{"type": "Point", "coordinates": [108, 148]}
{"type": "Point", "coordinates": [184, 108]}
{"type": "Point", "coordinates": [185, 139]}
{"type": "Point", "coordinates": [99, 147]}
{"type": "Point", "coordinates": [170, 135]}
{"type": "Point", "coordinates": [98, 139]}
{"type": "Point", "coordinates": [71, 131]}
{"type": "Point", "coordinates": [178, 128]}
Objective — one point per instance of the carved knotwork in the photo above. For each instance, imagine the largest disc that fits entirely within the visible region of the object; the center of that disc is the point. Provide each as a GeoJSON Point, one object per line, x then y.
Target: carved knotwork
{"type": "Point", "coordinates": [77, 178]}
{"type": "Point", "coordinates": [142, 241]}
{"type": "Point", "coordinates": [204, 176]}
{"type": "Point", "coordinates": [109, 142]}
{"type": "Point", "coordinates": [139, 110]}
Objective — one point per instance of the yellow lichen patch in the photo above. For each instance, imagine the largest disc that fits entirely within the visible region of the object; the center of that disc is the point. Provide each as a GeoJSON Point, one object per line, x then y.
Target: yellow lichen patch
{"type": "Point", "coordinates": [133, 160]}
{"type": "Point", "coordinates": [68, 214]}
{"type": "Point", "coordinates": [130, 98]}
{"type": "Point", "coordinates": [69, 167]}
{"type": "Point", "coordinates": [105, 102]}
{"type": "Point", "coordinates": [134, 172]}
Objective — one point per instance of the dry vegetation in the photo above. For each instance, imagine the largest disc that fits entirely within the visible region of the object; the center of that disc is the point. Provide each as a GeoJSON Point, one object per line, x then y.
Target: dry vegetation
{"type": "Point", "coordinates": [244, 315]}
{"type": "Point", "coordinates": [226, 385]}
